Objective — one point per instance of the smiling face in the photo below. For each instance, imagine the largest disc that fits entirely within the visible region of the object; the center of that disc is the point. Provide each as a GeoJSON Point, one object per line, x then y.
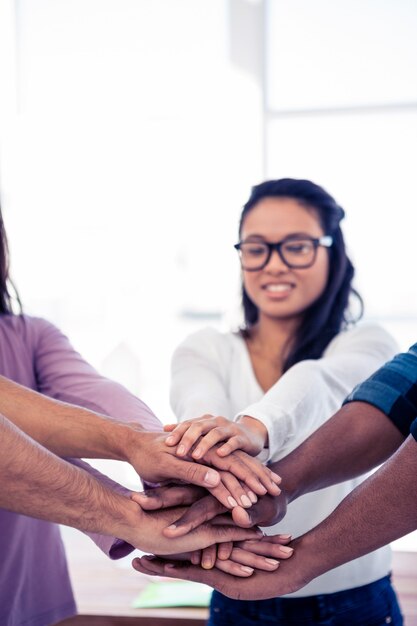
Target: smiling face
{"type": "Point", "coordinates": [277, 290]}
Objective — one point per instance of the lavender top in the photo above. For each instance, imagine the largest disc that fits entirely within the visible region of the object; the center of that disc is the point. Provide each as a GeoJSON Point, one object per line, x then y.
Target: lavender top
{"type": "Point", "coordinates": [35, 589]}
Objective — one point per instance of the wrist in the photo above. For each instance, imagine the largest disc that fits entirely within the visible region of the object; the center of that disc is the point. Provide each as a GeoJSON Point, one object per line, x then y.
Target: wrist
{"type": "Point", "coordinates": [121, 440]}
{"type": "Point", "coordinates": [292, 475]}
{"type": "Point", "coordinates": [256, 427]}
{"type": "Point", "coordinates": [122, 518]}
{"type": "Point", "coordinates": [306, 561]}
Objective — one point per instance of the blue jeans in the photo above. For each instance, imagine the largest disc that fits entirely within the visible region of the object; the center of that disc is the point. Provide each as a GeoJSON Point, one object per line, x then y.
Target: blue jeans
{"type": "Point", "coordinates": [370, 605]}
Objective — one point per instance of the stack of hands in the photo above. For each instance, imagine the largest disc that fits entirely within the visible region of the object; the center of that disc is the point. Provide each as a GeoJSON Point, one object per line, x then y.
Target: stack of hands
{"type": "Point", "coordinates": [214, 522]}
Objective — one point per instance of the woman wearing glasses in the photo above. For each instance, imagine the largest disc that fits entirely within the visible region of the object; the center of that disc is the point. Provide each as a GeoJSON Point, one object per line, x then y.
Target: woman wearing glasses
{"type": "Point", "coordinates": [267, 387]}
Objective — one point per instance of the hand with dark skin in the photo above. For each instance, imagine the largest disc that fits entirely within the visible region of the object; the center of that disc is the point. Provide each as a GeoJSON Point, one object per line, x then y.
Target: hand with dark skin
{"type": "Point", "coordinates": [241, 558]}
{"type": "Point", "coordinates": [258, 585]}
{"type": "Point", "coordinates": [202, 507]}
{"type": "Point", "coordinates": [356, 439]}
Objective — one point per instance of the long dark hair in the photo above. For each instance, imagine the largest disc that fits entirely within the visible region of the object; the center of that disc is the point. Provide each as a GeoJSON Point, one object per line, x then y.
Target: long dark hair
{"type": "Point", "coordinates": [324, 319]}
{"type": "Point", "coordinates": [6, 299]}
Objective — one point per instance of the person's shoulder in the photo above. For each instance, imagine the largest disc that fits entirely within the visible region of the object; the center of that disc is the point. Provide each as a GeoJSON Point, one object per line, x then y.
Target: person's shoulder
{"type": "Point", "coordinates": [209, 341]}
{"type": "Point", "coordinates": [18, 323]}
{"type": "Point", "coordinates": [208, 336]}
{"type": "Point", "coordinates": [364, 335]}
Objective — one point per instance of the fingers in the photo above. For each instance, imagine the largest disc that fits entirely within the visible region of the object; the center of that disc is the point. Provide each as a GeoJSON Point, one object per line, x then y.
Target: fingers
{"type": "Point", "coordinates": [195, 557]}
{"type": "Point", "coordinates": [209, 557]}
{"type": "Point", "coordinates": [267, 511]}
{"type": "Point", "coordinates": [168, 428]}
{"type": "Point", "coordinates": [194, 473]}
{"type": "Point", "coordinates": [224, 582]}
{"type": "Point", "coordinates": [201, 511]}
{"type": "Point", "coordinates": [187, 433]}
{"type": "Point", "coordinates": [258, 477]}
{"type": "Point", "coordinates": [241, 517]}
{"type": "Point", "coordinates": [233, 568]}
{"type": "Point", "coordinates": [269, 547]}
{"type": "Point", "coordinates": [253, 560]}
{"type": "Point", "coordinates": [212, 438]}
{"type": "Point", "coordinates": [153, 566]}
{"type": "Point", "coordinates": [234, 443]}
{"type": "Point", "coordinates": [218, 533]}
{"type": "Point", "coordinates": [235, 492]}
{"type": "Point", "coordinates": [224, 550]}
{"type": "Point", "coordinates": [167, 496]}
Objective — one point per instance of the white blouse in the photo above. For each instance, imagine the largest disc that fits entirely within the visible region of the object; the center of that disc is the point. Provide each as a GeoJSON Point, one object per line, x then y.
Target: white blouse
{"type": "Point", "coordinates": [212, 374]}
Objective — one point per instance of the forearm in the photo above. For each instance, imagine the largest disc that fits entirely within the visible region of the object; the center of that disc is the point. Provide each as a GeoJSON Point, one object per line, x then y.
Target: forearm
{"type": "Point", "coordinates": [380, 510]}
{"type": "Point", "coordinates": [356, 439]}
{"type": "Point", "coordinates": [64, 429]}
{"type": "Point", "coordinates": [37, 483]}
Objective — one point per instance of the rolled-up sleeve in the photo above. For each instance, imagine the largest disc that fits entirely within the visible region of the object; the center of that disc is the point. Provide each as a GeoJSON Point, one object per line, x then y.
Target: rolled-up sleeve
{"type": "Point", "coordinates": [393, 390]}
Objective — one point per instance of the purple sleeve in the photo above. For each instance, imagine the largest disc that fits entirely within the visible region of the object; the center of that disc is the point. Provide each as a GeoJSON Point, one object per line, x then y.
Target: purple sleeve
{"type": "Point", "coordinates": [113, 547]}
{"type": "Point", "coordinates": [63, 374]}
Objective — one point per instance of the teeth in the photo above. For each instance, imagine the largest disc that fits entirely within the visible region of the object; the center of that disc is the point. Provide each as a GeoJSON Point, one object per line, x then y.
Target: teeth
{"type": "Point", "coordinates": [278, 287]}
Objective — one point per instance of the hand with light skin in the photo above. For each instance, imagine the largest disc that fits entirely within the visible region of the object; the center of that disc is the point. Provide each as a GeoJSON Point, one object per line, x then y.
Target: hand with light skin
{"type": "Point", "coordinates": [71, 431]}
{"type": "Point", "coordinates": [38, 483]}
{"type": "Point", "coordinates": [197, 436]}
{"type": "Point", "coordinates": [240, 558]}
{"type": "Point", "coordinates": [201, 507]}
{"type": "Point", "coordinates": [241, 478]}
{"type": "Point", "coordinates": [356, 439]}
{"type": "Point", "coordinates": [148, 535]}
{"type": "Point", "coordinates": [256, 585]}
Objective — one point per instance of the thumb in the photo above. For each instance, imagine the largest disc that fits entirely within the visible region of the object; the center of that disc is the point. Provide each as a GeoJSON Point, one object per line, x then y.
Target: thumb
{"type": "Point", "coordinates": [195, 473]}
{"type": "Point", "coordinates": [243, 517]}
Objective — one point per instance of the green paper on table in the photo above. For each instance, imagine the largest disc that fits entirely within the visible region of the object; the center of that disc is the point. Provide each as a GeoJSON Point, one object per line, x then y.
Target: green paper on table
{"type": "Point", "coordinates": [173, 593]}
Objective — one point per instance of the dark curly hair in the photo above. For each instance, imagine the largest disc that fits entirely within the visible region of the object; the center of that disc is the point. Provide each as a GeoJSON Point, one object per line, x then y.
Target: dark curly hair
{"type": "Point", "coordinates": [324, 319]}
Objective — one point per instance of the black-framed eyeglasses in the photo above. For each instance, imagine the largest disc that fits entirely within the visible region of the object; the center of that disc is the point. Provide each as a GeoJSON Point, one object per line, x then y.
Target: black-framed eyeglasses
{"type": "Point", "coordinates": [295, 252]}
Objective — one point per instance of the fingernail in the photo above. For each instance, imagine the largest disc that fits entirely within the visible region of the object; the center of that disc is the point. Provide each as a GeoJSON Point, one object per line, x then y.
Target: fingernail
{"type": "Point", "coordinates": [232, 502]}
{"type": "Point", "coordinates": [248, 570]}
{"type": "Point", "coordinates": [170, 566]}
{"type": "Point", "coordinates": [172, 527]}
{"type": "Point", "coordinates": [211, 478]}
{"type": "Point", "coordinates": [169, 439]}
{"type": "Point", "coordinates": [272, 561]}
{"type": "Point", "coordinates": [287, 550]}
{"type": "Point", "coordinates": [206, 564]}
{"type": "Point", "coordinates": [181, 450]}
{"type": "Point", "coordinates": [197, 453]}
{"type": "Point", "coordinates": [285, 537]}
{"type": "Point", "coordinates": [253, 497]}
{"type": "Point", "coordinates": [259, 533]}
{"type": "Point", "coordinates": [245, 501]}
{"type": "Point", "coordinates": [277, 478]}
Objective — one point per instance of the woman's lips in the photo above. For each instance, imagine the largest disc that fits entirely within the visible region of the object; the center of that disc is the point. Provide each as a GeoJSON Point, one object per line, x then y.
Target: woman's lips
{"type": "Point", "coordinates": [278, 287]}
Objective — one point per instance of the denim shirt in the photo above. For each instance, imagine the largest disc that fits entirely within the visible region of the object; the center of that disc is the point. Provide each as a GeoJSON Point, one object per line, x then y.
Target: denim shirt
{"type": "Point", "coordinates": [393, 390]}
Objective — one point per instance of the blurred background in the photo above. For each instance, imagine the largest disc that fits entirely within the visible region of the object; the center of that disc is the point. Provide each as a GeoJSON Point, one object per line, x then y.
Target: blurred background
{"type": "Point", "coordinates": [132, 130]}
